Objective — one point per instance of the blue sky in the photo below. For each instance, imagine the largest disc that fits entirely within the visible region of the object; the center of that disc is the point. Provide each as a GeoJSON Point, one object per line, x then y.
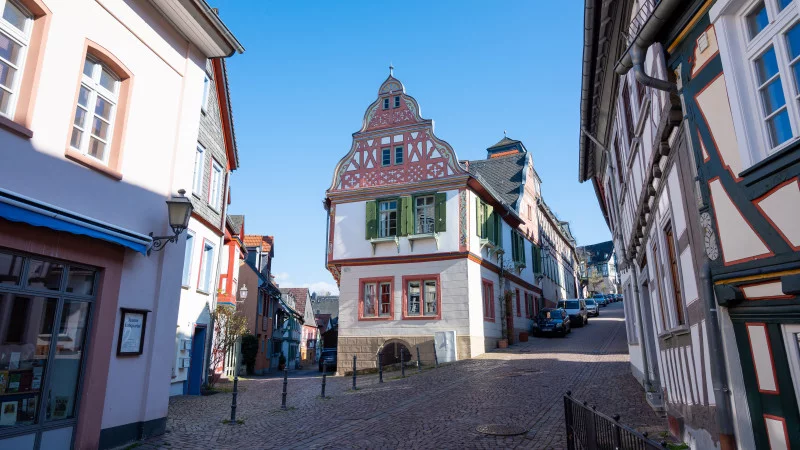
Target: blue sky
{"type": "Point", "coordinates": [310, 70]}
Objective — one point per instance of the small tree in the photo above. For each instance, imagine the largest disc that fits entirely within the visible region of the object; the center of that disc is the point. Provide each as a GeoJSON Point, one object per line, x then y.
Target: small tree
{"type": "Point", "coordinates": [249, 352]}
{"type": "Point", "coordinates": [229, 326]}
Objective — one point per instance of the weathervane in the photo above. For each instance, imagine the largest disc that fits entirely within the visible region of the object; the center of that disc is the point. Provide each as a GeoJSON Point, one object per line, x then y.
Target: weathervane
{"type": "Point", "coordinates": [391, 70]}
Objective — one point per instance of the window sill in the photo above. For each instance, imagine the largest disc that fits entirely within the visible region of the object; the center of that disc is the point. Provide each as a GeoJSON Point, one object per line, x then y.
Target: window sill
{"type": "Point", "coordinates": [376, 319]}
{"type": "Point", "coordinates": [437, 317]}
{"type": "Point", "coordinates": [673, 332]}
{"type": "Point", "coordinates": [92, 163]}
{"type": "Point", "coordinates": [420, 237]}
{"type": "Point", "coordinates": [376, 241]}
{"type": "Point", "coordinates": [202, 292]}
{"type": "Point", "coordinates": [490, 320]}
{"type": "Point", "coordinates": [15, 128]}
{"type": "Point", "coordinates": [185, 286]}
{"type": "Point", "coordinates": [773, 163]}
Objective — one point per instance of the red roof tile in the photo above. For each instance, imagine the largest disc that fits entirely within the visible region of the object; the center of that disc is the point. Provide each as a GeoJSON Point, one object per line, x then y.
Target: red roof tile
{"type": "Point", "coordinates": [300, 295]}
{"type": "Point", "coordinates": [254, 240]}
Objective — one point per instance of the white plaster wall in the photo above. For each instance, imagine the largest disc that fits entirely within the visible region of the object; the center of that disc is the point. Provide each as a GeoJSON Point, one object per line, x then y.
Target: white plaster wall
{"type": "Point", "coordinates": [195, 306]}
{"type": "Point", "coordinates": [350, 230]}
{"type": "Point", "coordinates": [158, 149]}
{"type": "Point", "coordinates": [635, 352]}
{"type": "Point", "coordinates": [454, 292]}
{"type": "Point", "coordinates": [475, 273]}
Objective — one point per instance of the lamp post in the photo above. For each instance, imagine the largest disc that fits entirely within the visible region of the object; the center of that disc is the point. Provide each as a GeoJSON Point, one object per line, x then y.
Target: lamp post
{"type": "Point", "coordinates": [179, 209]}
{"type": "Point", "coordinates": [243, 296]}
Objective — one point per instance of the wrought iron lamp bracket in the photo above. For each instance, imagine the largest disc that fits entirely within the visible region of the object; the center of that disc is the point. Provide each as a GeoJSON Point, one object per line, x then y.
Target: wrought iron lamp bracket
{"type": "Point", "coordinates": [159, 242]}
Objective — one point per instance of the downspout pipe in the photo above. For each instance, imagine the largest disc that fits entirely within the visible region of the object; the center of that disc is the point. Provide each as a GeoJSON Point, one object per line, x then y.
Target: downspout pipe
{"type": "Point", "coordinates": [661, 14]}
{"type": "Point", "coordinates": [719, 371]}
{"type": "Point", "coordinates": [637, 57]}
{"type": "Point", "coordinates": [648, 383]}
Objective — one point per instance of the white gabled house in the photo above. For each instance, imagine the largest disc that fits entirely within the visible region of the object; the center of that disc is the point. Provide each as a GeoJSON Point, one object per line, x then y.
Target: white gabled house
{"type": "Point", "coordinates": [421, 242]}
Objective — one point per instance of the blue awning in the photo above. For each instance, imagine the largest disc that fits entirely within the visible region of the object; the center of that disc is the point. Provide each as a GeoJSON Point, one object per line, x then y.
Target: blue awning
{"type": "Point", "coordinates": [17, 208]}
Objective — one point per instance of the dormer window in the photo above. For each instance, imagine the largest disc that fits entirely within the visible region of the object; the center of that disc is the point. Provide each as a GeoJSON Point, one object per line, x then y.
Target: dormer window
{"type": "Point", "coordinates": [386, 103]}
{"type": "Point", "coordinates": [397, 101]}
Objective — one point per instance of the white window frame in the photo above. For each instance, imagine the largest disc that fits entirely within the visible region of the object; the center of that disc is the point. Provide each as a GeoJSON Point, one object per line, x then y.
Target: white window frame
{"type": "Point", "coordinates": [206, 92]}
{"type": "Point", "coordinates": [199, 169]}
{"type": "Point", "coordinates": [738, 52]}
{"type": "Point", "coordinates": [384, 218]}
{"type": "Point", "coordinates": [188, 257]}
{"type": "Point", "coordinates": [207, 267]}
{"type": "Point", "coordinates": [92, 84]}
{"type": "Point", "coordinates": [21, 38]}
{"type": "Point", "coordinates": [215, 186]}
{"type": "Point", "coordinates": [421, 211]}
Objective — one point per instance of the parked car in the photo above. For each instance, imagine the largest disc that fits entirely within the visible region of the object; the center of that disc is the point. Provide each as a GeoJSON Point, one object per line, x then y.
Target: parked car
{"type": "Point", "coordinates": [609, 298]}
{"type": "Point", "coordinates": [551, 321]}
{"type": "Point", "coordinates": [600, 299]}
{"type": "Point", "coordinates": [328, 356]}
{"type": "Point", "coordinates": [576, 308]}
{"type": "Point", "coordinates": [592, 308]}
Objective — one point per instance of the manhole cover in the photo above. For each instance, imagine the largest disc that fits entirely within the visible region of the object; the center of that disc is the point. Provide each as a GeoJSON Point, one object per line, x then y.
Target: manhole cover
{"type": "Point", "coordinates": [501, 430]}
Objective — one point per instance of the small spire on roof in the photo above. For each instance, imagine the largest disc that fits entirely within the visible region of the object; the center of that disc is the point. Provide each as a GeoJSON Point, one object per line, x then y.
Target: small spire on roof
{"type": "Point", "coordinates": [505, 135]}
{"type": "Point", "coordinates": [391, 69]}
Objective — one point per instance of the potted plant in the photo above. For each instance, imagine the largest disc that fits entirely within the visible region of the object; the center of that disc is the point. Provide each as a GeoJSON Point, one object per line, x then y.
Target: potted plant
{"type": "Point", "coordinates": [281, 362]}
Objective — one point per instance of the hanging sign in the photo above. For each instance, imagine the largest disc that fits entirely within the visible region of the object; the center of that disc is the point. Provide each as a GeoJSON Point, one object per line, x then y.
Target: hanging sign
{"type": "Point", "coordinates": [131, 332]}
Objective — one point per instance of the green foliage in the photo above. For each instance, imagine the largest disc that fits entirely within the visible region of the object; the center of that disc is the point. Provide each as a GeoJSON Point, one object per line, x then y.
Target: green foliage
{"type": "Point", "coordinates": [249, 351]}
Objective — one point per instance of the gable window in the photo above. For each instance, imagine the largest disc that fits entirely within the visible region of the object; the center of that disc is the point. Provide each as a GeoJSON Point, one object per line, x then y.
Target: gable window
{"type": "Point", "coordinates": [397, 101]}
{"type": "Point", "coordinates": [199, 169]}
{"type": "Point", "coordinates": [398, 155]}
{"type": "Point", "coordinates": [206, 91]}
{"type": "Point", "coordinates": [15, 30]}
{"type": "Point", "coordinates": [424, 214]}
{"type": "Point", "coordinates": [387, 218]}
{"type": "Point", "coordinates": [187, 258]}
{"type": "Point", "coordinates": [487, 291]}
{"type": "Point", "coordinates": [376, 300]}
{"type": "Point", "coordinates": [92, 126]}
{"type": "Point", "coordinates": [421, 294]}
{"type": "Point", "coordinates": [386, 103]}
{"type": "Point", "coordinates": [215, 193]}
{"type": "Point", "coordinates": [386, 157]}
{"type": "Point", "coordinates": [206, 267]}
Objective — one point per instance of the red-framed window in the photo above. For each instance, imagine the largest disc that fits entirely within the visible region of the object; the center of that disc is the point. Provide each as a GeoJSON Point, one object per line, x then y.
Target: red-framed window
{"type": "Point", "coordinates": [488, 300]}
{"type": "Point", "coordinates": [519, 309]}
{"type": "Point", "coordinates": [527, 305]}
{"type": "Point", "coordinates": [376, 298]}
{"type": "Point", "coordinates": [422, 297]}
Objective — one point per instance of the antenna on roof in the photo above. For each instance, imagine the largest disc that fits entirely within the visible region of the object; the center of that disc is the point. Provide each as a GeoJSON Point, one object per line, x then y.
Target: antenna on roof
{"type": "Point", "coordinates": [505, 135]}
{"type": "Point", "coordinates": [391, 69]}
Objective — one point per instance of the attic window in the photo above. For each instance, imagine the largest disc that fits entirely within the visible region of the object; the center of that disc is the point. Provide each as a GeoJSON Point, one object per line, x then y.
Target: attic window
{"type": "Point", "coordinates": [396, 101]}
{"type": "Point", "coordinates": [386, 103]}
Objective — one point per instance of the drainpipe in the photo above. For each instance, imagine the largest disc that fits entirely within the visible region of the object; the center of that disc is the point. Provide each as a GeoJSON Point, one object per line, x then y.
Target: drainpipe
{"type": "Point", "coordinates": [648, 384]}
{"type": "Point", "coordinates": [719, 372]}
{"type": "Point", "coordinates": [637, 57]}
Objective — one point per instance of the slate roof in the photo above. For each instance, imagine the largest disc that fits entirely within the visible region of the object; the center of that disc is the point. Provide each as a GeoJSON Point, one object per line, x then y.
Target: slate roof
{"type": "Point", "coordinates": [236, 223]}
{"type": "Point", "coordinates": [503, 174]}
{"type": "Point", "coordinates": [599, 253]}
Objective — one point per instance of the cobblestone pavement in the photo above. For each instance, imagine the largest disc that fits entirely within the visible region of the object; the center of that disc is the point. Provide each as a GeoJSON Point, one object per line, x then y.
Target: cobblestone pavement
{"type": "Point", "coordinates": [439, 408]}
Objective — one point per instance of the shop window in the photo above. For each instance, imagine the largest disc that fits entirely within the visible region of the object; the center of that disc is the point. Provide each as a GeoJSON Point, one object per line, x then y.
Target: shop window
{"type": "Point", "coordinates": [43, 333]}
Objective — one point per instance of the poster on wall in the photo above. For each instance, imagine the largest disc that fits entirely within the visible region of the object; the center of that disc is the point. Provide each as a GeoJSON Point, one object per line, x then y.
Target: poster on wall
{"type": "Point", "coordinates": [131, 331]}
{"type": "Point", "coordinates": [8, 413]}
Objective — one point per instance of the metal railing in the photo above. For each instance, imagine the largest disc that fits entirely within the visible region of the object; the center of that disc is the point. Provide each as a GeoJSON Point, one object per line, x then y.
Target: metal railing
{"type": "Point", "coordinates": [638, 20]}
{"type": "Point", "coordinates": [592, 430]}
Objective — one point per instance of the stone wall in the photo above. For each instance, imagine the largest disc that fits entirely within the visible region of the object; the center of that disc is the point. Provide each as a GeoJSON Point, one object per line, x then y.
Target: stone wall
{"type": "Point", "coordinates": [366, 350]}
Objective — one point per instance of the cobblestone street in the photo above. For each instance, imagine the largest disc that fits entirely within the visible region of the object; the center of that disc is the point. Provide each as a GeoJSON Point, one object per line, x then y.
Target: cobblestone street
{"type": "Point", "coordinates": [440, 408]}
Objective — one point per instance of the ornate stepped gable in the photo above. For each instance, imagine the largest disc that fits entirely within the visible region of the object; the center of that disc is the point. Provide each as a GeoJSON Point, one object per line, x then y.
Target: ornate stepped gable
{"type": "Point", "coordinates": [424, 156]}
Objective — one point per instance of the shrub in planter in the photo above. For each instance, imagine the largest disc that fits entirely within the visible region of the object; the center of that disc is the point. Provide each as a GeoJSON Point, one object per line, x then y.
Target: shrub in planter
{"type": "Point", "coordinates": [249, 351]}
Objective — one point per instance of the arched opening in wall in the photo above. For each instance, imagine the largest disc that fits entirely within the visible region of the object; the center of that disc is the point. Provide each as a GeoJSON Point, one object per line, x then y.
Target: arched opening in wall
{"type": "Point", "coordinates": [392, 352]}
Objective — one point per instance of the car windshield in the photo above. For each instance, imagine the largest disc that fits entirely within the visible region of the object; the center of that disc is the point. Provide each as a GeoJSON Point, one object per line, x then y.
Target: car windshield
{"type": "Point", "coordinates": [549, 314]}
{"type": "Point", "coordinates": [328, 353]}
{"type": "Point", "coordinates": [590, 302]}
{"type": "Point", "coordinates": [572, 304]}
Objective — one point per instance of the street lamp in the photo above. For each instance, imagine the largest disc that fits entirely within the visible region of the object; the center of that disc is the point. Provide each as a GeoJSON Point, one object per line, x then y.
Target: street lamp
{"type": "Point", "coordinates": [243, 292]}
{"type": "Point", "coordinates": [179, 209]}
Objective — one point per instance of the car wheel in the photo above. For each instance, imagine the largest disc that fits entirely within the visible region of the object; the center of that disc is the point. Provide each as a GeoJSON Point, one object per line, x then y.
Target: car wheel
{"type": "Point", "coordinates": [586, 321]}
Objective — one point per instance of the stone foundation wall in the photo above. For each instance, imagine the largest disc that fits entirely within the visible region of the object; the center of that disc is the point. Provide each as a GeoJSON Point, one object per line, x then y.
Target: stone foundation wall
{"type": "Point", "coordinates": [366, 351]}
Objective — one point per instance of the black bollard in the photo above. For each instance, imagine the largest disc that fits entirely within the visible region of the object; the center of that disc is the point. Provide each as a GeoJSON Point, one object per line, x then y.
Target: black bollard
{"type": "Point", "coordinates": [402, 363]}
{"type": "Point", "coordinates": [435, 356]}
{"type": "Point", "coordinates": [380, 367]}
{"type": "Point", "coordinates": [285, 382]}
{"type": "Point", "coordinates": [354, 372]}
{"type": "Point", "coordinates": [419, 362]}
{"type": "Point", "coordinates": [324, 374]}
{"type": "Point", "coordinates": [235, 394]}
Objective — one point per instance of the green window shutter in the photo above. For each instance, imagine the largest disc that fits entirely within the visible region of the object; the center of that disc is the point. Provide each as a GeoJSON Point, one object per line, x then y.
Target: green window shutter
{"type": "Point", "coordinates": [441, 212]}
{"type": "Point", "coordinates": [408, 216]}
{"type": "Point", "coordinates": [514, 247]}
{"type": "Point", "coordinates": [372, 219]}
{"type": "Point", "coordinates": [402, 215]}
{"type": "Point", "coordinates": [498, 227]}
{"type": "Point", "coordinates": [478, 217]}
{"type": "Point", "coordinates": [490, 225]}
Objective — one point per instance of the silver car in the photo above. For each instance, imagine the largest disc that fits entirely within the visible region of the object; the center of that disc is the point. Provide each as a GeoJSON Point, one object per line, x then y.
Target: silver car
{"type": "Point", "coordinates": [592, 308]}
{"type": "Point", "coordinates": [576, 308]}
